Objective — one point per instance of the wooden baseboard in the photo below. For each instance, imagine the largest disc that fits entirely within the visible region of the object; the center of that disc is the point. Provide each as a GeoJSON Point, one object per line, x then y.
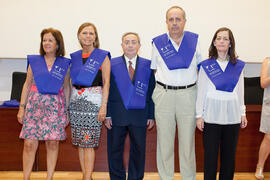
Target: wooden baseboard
{"type": "Point", "coordinates": [75, 175]}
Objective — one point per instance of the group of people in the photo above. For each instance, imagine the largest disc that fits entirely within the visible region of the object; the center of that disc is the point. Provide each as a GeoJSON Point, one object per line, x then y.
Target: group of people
{"type": "Point", "coordinates": [130, 94]}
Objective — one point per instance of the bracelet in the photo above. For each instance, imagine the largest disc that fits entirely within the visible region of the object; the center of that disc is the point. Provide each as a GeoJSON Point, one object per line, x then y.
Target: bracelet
{"type": "Point", "coordinates": [22, 105]}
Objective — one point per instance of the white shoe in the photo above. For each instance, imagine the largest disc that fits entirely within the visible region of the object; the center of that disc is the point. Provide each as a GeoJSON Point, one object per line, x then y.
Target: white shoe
{"type": "Point", "coordinates": [259, 173]}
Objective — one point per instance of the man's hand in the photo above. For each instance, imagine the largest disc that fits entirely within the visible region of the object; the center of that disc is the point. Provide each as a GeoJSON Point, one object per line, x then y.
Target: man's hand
{"type": "Point", "coordinates": [150, 124]}
{"type": "Point", "coordinates": [108, 123]}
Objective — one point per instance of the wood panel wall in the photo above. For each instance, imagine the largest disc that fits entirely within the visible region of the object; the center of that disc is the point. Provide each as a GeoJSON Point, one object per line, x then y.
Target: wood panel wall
{"type": "Point", "coordinates": [11, 147]}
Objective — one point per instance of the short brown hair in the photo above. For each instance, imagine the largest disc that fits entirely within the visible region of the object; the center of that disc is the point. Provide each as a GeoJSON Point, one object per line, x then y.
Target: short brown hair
{"type": "Point", "coordinates": [176, 7]}
{"type": "Point", "coordinates": [96, 42]}
{"type": "Point", "coordinates": [213, 50]}
{"type": "Point", "coordinates": [133, 33]}
{"type": "Point", "coordinates": [60, 51]}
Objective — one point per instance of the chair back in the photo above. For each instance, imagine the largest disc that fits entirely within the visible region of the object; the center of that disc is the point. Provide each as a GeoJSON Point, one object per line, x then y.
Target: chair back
{"type": "Point", "coordinates": [18, 79]}
{"type": "Point", "coordinates": [253, 91]}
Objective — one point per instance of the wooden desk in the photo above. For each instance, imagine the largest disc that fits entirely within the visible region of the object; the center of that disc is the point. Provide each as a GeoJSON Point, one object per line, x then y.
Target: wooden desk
{"type": "Point", "coordinates": [11, 147]}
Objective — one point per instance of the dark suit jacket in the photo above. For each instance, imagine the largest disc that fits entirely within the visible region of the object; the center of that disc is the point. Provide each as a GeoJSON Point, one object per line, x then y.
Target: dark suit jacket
{"type": "Point", "coordinates": [123, 117]}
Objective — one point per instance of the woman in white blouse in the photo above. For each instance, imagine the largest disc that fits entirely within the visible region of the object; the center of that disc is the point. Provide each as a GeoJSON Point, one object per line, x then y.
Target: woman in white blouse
{"type": "Point", "coordinates": [220, 109]}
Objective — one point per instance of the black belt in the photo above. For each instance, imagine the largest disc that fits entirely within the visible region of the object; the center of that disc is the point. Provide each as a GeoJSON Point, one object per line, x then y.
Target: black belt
{"type": "Point", "coordinates": [175, 87]}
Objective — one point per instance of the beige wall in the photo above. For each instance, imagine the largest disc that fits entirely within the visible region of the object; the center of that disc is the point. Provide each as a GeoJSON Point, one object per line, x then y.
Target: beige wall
{"type": "Point", "coordinates": [7, 67]}
{"type": "Point", "coordinates": [22, 21]}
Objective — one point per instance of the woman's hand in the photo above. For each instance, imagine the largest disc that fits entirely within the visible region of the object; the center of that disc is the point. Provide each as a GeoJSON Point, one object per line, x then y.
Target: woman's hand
{"type": "Point", "coordinates": [244, 122]}
{"type": "Point", "coordinates": [68, 119]}
{"type": "Point", "coordinates": [102, 113]}
{"type": "Point", "coordinates": [200, 124]}
{"type": "Point", "coordinates": [20, 115]}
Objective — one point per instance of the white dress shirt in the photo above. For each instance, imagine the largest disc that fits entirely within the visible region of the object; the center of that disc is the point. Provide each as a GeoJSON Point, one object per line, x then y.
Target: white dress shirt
{"type": "Point", "coordinates": [133, 60]}
{"type": "Point", "coordinates": [177, 77]}
{"type": "Point", "coordinates": [219, 107]}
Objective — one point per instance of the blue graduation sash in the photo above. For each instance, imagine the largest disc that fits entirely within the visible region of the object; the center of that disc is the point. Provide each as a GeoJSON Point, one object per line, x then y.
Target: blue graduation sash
{"type": "Point", "coordinates": [48, 82]}
{"type": "Point", "coordinates": [84, 74]}
{"type": "Point", "coordinates": [133, 95]}
{"type": "Point", "coordinates": [224, 81]}
{"type": "Point", "coordinates": [173, 59]}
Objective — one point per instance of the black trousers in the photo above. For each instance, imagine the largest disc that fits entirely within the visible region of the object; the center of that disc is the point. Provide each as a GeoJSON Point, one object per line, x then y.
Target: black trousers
{"type": "Point", "coordinates": [225, 138]}
{"type": "Point", "coordinates": [115, 147]}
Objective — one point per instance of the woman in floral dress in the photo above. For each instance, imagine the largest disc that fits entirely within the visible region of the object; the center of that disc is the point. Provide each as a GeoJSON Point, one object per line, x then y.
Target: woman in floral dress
{"type": "Point", "coordinates": [44, 99]}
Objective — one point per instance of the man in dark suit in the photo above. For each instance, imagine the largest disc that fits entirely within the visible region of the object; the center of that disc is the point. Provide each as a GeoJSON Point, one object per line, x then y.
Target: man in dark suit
{"type": "Point", "coordinates": [130, 109]}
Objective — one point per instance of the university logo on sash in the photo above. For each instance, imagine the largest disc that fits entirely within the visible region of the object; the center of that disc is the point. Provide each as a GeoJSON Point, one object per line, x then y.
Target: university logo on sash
{"type": "Point", "coordinates": [223, 81]}
{"type": "Point", "coordinates": [177, 59]}
{"type": "Point", "coordinates": [133, 95]}
{"type": "Point", "coordinates": [84, 74]}
{"type": "Point", "coordinates": [48, 82]}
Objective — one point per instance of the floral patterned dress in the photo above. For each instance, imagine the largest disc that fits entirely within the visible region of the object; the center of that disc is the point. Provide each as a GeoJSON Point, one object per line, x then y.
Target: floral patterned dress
{"type": "Point", "coordinates": [45, 116]}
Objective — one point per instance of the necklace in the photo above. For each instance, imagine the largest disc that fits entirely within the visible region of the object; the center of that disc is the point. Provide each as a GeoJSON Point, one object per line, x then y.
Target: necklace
{"type": "Point", "coordinates": [49, 61]}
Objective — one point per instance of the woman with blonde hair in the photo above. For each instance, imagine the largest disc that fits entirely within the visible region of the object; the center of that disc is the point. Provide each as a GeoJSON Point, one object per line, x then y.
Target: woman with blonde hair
{"type": "Point", "coordinates": [90, 75]}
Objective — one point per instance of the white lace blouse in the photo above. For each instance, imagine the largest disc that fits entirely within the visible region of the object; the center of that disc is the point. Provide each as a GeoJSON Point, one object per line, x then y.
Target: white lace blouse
{"type": "Point", "coordinates": [219, 107]}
